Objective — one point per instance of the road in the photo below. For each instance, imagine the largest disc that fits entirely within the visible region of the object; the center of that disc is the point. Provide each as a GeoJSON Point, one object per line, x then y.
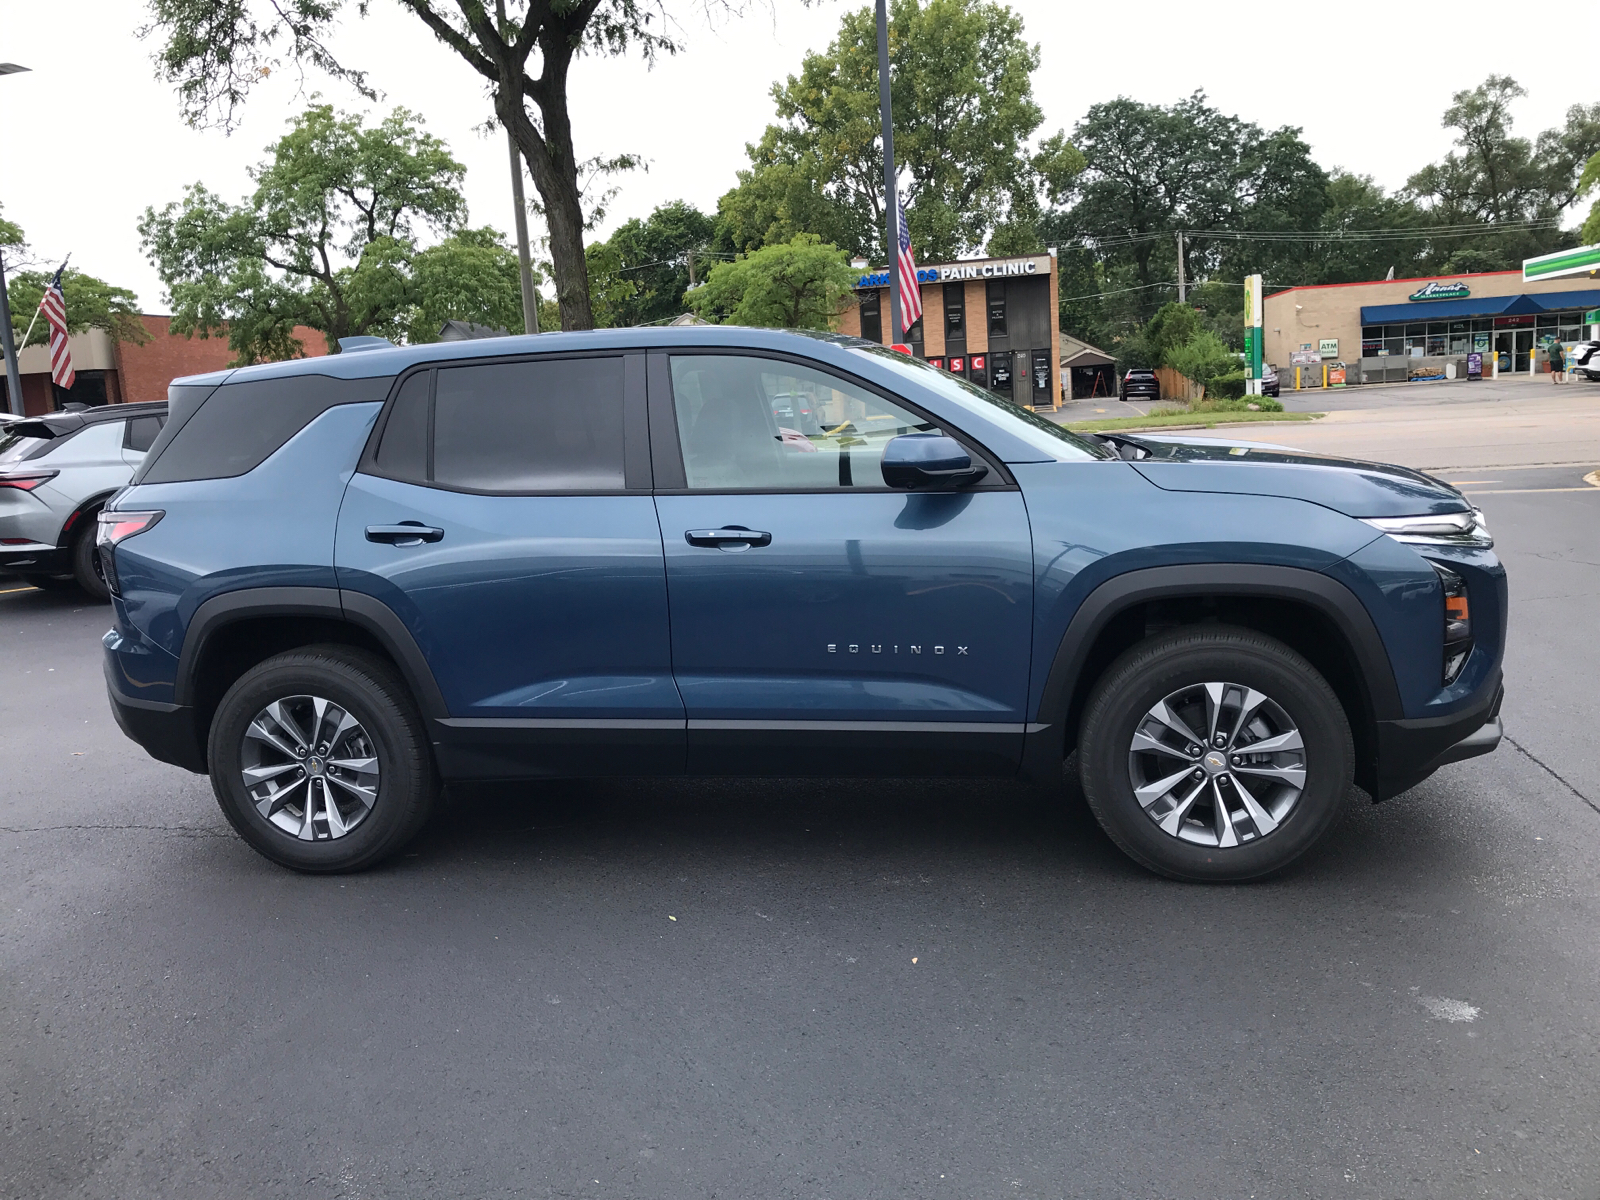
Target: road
{"type": "Point", "coordinates": [823, 989]}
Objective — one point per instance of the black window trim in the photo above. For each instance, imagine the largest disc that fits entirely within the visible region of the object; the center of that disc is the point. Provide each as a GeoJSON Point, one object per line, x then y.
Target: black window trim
{"type": "Point", "coordinates": [672, 477]}
{"type": "Point", "coordinates": [636, 458]}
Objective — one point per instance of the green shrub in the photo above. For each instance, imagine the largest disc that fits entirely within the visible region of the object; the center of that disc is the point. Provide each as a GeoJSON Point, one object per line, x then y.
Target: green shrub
{"type": "Point", "coordinates": [1268, 404]}
{"type": "Point", "coordinates": [1227, 386]}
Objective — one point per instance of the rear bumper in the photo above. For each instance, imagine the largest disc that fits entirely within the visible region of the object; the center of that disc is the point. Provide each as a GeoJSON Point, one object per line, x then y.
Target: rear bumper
{"type": "Point", "coordinates": [1411, 750]}
{"type": "Point", "coordinates": [36, 558]}
{"type": "Point", "coordinates": [167, 732]}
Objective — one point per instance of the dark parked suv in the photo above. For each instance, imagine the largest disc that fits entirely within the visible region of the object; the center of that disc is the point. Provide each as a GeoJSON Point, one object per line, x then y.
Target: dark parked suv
{"type": "Point", "coordinates": [341, 581]}
{"type": "Point", "coordinates": [1142, 383]}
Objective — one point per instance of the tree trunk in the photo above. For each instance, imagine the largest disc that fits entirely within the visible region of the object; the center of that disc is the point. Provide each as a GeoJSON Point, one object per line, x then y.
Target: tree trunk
{"type": "Point", "coordinates": [554, 168]}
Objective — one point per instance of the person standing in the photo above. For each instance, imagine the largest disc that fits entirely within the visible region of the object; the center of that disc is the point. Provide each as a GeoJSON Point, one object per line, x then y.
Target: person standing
{"type": "Point", "coordinates": [1558, 364]}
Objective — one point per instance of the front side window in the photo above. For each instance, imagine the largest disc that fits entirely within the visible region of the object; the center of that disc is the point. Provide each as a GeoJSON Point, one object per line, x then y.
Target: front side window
{"type": "Point", "coordinates": [547, 425]}
{"type": "Point", "coordinates": [747, 422]}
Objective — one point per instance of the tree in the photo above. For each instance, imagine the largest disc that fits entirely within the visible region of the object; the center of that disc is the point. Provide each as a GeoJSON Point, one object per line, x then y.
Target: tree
{"type": "Point", "coordinates": [1587, 183]}
{"type": "Point", "coordinates": [1496, 177]}
{"type": "Point", "coordinates": [216, 50]}
{"type": "Point", "coordinates": [91, 303]}
{"type": "Point", "coordinates": [329, 240]}
{"type": "Point", "coordinates": [799, 284]}
{"type": "Point", "coordinates": [639, 274]}
{"type": "Point", "coordinates": [1153, 170]}
{"type": "Point", "coordinates": [964, 112]}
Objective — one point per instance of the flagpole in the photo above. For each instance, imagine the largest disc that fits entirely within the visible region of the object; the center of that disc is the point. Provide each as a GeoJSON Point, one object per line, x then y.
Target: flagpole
{"type": "Point", "coordinates": [8, 343]}
{"type": "Point", "coordinates": [891, 204]}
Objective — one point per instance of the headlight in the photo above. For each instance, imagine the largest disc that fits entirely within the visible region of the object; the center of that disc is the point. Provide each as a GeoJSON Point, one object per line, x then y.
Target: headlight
{"type": "Point", "coordinates": [1437, 529]}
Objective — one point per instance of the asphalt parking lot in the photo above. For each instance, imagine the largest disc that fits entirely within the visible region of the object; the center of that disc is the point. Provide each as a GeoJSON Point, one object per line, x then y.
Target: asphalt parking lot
{"type": "Point", "coordinates": [821, 989]}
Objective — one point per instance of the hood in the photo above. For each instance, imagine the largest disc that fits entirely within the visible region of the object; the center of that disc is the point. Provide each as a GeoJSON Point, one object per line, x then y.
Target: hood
{"type": "Point", "coordinates": [1346, 485]}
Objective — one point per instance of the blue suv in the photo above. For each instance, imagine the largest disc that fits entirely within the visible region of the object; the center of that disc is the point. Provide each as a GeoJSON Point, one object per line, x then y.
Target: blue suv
{"type": "Point", "coordinates": [342, 582]}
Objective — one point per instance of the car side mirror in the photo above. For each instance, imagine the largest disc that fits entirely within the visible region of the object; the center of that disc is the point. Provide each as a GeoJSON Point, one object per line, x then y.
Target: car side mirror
{"type": "Point", "coordinates": [929, 462]}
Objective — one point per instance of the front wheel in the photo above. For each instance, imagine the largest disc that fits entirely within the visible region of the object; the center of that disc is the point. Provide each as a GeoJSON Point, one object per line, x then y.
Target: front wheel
{"type": "Point", "coordinates": [320, 760]}
{"type": "Point", "coordinates": [1214, 754]}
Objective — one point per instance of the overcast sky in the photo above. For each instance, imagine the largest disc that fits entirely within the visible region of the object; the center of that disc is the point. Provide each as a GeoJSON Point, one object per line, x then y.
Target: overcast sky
{"type": "Point", "coordinates": [92, 137]}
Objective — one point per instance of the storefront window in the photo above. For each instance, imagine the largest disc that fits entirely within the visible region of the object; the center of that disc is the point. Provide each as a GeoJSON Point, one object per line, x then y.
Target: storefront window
{"type": "Point", "coordinates": [871, 317]}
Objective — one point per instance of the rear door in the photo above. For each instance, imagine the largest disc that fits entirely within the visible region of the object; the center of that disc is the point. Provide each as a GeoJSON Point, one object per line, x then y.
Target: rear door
{"type": "Point", "coordinates": [504, 514]}
{"type": "Point", "coordinates": [823, 623]}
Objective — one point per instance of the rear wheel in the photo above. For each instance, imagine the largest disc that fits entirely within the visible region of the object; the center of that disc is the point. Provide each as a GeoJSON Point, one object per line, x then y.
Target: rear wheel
{"type": "Point", "coordinates": [320, 760]}
{"type": "Point", "coordinates": [1214, 754]}
{"type": "Point", "coordinates": [86, 567]}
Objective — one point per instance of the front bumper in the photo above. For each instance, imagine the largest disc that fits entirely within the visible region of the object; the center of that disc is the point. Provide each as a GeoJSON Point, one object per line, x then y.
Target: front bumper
{"type": "Point", "coordinates": [1411, 750]}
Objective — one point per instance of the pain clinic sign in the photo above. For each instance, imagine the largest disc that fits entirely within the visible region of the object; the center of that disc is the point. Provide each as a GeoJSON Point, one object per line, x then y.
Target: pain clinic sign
{"type": "Point", "coordinates": [999, 268]}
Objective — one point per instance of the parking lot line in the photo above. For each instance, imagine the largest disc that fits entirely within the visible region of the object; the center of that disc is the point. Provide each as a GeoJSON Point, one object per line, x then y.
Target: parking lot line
{"type": "Point", "coordinates": [1525, 491]}
{"type": "Point", "coordinates": [8, 591]}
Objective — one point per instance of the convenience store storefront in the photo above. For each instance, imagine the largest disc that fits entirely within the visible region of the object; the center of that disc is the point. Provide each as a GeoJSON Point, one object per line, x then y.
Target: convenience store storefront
{"type": "Point", "coordinates": [991, 321]}
{"type": "Point", "coordinates": [1421, 322]}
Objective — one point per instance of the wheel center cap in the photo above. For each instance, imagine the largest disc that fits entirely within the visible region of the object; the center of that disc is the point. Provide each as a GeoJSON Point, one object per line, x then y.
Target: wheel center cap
{"type": "Point", "coordinates": [314, 766]}
{"type": "Point", "coordinates": [1214, 763]}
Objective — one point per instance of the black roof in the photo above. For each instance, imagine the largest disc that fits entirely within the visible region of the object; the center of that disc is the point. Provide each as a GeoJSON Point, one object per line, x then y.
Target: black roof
{"type": "Point", "coordinates": [59, 424]}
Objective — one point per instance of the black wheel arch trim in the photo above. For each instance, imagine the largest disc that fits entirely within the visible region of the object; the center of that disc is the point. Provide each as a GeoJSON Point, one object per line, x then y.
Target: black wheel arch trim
{"type": "Point", "coordinates": [1121, 592]}
{"type": "Point", "coordinates": [70, 529]}
{"type": "Point", "coordinates": [355, 608]}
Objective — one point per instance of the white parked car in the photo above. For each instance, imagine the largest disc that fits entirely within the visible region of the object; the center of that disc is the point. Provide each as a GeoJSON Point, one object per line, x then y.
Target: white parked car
{"type": "Point", "coordinates": [56, 472]}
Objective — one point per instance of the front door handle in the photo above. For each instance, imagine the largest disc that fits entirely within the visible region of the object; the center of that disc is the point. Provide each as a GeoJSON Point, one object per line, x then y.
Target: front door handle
{"type": "Point", "coordinates": [406, 533]}
{"type": "Point", "coordinates": [729, 537]}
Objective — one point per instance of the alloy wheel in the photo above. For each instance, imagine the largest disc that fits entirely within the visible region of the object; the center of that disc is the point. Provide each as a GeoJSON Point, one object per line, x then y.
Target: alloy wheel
{"type": "Point", "coordinates": [1217, 764]}
{"type": "Point", "coordinates": [309, 768]}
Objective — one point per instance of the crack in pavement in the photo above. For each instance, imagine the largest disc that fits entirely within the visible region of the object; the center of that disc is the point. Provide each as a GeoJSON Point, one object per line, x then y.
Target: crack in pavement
{"type": "Point", "coordinates": [191, 830]}
{"type": "Point", "coordinates": [1536, 761]}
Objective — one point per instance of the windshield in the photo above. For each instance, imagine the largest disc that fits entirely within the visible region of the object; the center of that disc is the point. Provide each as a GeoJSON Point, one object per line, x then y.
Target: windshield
{"type": "Point", "coordinates": [1057, 443]}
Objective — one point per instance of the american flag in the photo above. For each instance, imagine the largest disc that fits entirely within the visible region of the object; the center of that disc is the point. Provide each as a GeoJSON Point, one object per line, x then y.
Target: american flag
{"type": "Point", "coordinates": [54, 307]}
{"type": "Point", "coordinates": [910, 289]}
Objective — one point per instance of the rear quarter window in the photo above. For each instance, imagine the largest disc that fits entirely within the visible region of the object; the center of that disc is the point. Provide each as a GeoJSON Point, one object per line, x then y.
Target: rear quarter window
{"type": "Point", "coordinates": [240, 425]}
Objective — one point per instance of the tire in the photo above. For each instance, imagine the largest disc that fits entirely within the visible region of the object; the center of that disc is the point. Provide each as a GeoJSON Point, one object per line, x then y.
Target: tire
{"type": "Point", "coordinates": [86, 568]}
{"type": "Point", "coordinates": [389, 736]}
{"type": "Point", "coordinates": [1181, 670]}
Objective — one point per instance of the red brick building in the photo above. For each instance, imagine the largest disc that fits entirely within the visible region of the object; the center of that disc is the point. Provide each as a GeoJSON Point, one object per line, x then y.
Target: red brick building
{"type": "Point", "coordinates": [110, 372]}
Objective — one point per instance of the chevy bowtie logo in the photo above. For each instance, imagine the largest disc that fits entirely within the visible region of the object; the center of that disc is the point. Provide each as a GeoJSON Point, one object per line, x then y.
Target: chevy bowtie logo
{"type": "Point", "coordinates": [890, 648]}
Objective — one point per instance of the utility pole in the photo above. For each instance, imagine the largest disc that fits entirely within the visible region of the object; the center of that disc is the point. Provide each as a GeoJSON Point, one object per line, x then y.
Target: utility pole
{"type": "Point", "coordinates": [891, 204]}
{"type": "Point", "coordinates": [692, 284]}
{"type": "Point", "coordinates": [9, 339]}
{"type": "Point", "coordinates": [1183, 287]}
{"type": "Point", "coordinates": [530, 298]}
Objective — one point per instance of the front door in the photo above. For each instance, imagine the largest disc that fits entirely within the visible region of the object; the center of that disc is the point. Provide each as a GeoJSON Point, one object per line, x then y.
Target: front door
{"type": "Point", "coordinates": [821, 622]}
{"type": "Point", "coordinates": [533, 582]}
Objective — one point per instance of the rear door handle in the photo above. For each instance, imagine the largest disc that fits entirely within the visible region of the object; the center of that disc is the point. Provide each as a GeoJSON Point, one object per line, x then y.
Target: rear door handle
{"type": "Point", "coordinates": [406, 533]}
{"type": "Point", "coordinates": [729, 537]}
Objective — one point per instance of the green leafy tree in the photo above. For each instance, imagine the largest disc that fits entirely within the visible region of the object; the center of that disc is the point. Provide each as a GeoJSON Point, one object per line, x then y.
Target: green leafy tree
{"type": "Point", "coordinates": [1495, 176]}
{"type": "Point", "coordinates": [215, 51]}
{"type": "Point", "coordinates": [799, 284]}
{"type": "Point", "coordinates": [962, 83]}
{"type": "Point", "coordinates": [1202, 358]}
{"type": "Point", "coordinates": [329, 240]}
{"type": "Point", "coordinates": [639, 274]}
{"type": "Point", "coordinates": [91, 303]}
{"type": "Point", "coordinates": [1588, 183]}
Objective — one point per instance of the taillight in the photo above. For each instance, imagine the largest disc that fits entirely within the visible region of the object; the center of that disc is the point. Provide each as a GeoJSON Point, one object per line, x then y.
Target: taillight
{"type": "Point", "coordinates": [116, 528]}
{"type": "Point", "coordinates": [26, 481]}
{"type": "Point", "coordinates": [1457, 622]}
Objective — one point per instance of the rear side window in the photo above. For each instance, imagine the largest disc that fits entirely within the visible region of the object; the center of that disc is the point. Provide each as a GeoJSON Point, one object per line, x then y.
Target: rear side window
{"type": "Point", "coordinates": [546, 425]}
{"type": "Point", "coordinates": [142, 432]}
{"type": "Point", "coordinates": [241, 424]}
{"type": "Point", "coordinates": [403, 452]}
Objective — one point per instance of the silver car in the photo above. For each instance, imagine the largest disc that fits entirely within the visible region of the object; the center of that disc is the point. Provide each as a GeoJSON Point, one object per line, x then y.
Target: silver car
{"type": "Point", "coordinates": [56, 471]}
